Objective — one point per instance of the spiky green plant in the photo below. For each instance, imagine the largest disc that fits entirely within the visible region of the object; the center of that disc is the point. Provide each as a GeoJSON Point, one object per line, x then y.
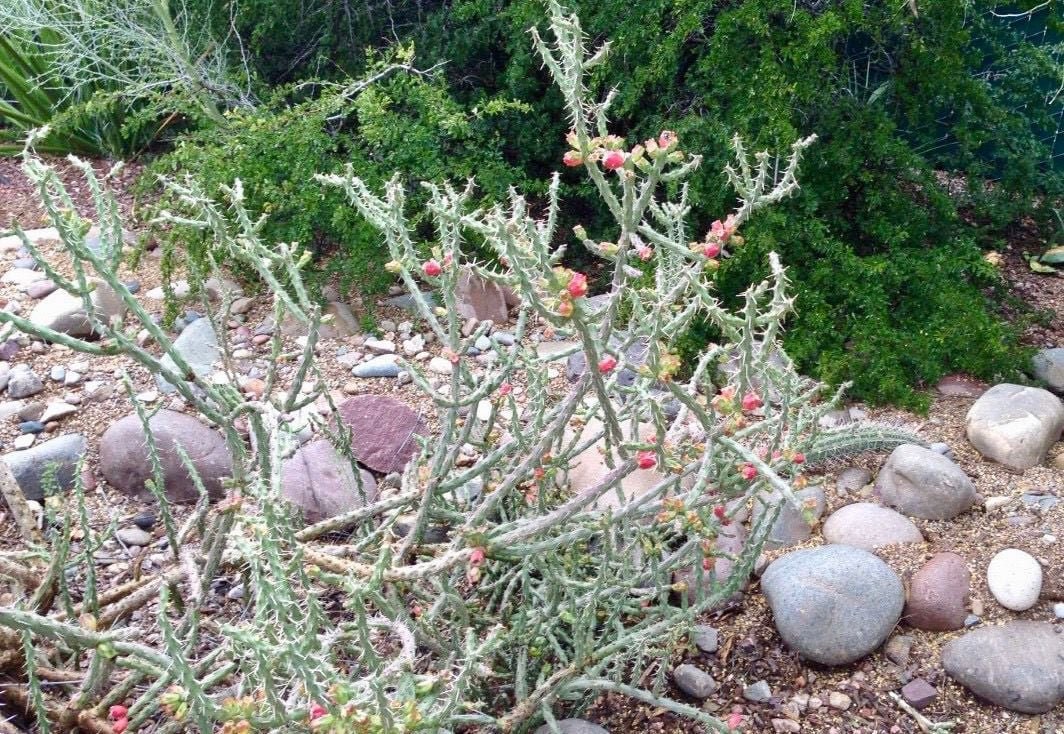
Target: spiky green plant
{"type": "Point", "coordinates": [545, 593]}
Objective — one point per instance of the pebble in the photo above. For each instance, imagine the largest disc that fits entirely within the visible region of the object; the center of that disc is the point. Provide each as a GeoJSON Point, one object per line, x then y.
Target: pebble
{"type": "Point", "coordinates": [383, 365]}
{"type": "Point", "coordinates": [852, 479]}
{"type": "Point", "coordinates": [57, 410]}
{"type": "Point", "coordinates": [1015, 579]}
{"type": "Point", "coordinates": [694, 681]}
{"type": "Point", "coordinates": [897, 649]}
{"type": "Point", "coordinates": [707, 638]}
{"type": "Point", "coordinates": [838, 700]}
{"type": "Point", "coordinates": [24, 441]}
{"type": "Point", "coordinates": [440, 366]}
{"type": "Point", "coordinates": [758, 692]}
{"type": "Point", "coordinates": [133, 536]}
{"type": "Point", "coordinates": [1058, 610]}
{"type": "Point", "coordinates": [996, 502]}
{"type": "Point", "coordinates": [235, 593]}
{"type": "Point", "coordinates": [58, 373]}
{"type": "Point", "coordinates": [31, 427]}
{"type": "Point", "coordinates": [380, 346]}
{"type": "Point", "coordinates": [145, 520]}
{"type": "Point", "coordinates": [919, 693]}
{"type": "Point", "coordinates": [785, 726]}
{"type": "Point", "coordinates": [71, 378]}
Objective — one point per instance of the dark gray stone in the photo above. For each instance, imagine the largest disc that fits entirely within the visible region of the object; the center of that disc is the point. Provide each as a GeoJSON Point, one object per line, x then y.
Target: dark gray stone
{"type": "Point", "coordinates": [833, 604]}
{"type": "Point", "coordinates": [852, 479]}
{"type": "Point", "coordinates": [30, 466]}
{"type": "Point", "coordinates": [322, 485]}
{"type": "Point", "coordinates": [1019, 666]}
{"type": "Point", "coordinates": [693, 681]}
{"type": "Point", "coordinates": [635, 356]}
{"type": "Point", "coordinates": [921, 483]}
{"type": "Point", "coordinates": [125, 463]}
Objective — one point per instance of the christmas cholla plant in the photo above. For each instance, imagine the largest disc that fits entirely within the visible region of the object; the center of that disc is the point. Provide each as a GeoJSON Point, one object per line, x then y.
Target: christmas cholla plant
{"type": "Point", "coordinates": [543, 593]}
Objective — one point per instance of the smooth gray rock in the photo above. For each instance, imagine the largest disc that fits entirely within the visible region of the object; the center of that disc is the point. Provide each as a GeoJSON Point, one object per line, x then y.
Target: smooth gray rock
{"type": "Point", "coordinates": [197, 345]}
{"type": "Point", "coordinates": [706, 638]}
{"type": "Point", "coordinates": [694, 681]}
{"type": "Point", "coordinates": [482, 299]}
{"type": "Point", "coordinates": [30, 466]}
{"type": "Point", "coordinates": [65, 312]}
{"type": "Point", "coordinates": [833, 604]}
{"type": "Point", "coordinates": [1015, 425]}
{"type": "Point", "coordinates": [23, 382]}
{"type": "Point", "coordinates": [852, 479]}
{"type": "Point", "coordinates": [573, 726]}
{"type": "Point", "coordinates": [125, 463]}
{"type": "Point", "coordinates": [921, 483]}
{"type": "Point", "coordinates": [791, 527]}
{"type": "Point", "coordinates": [1019, 666]}
{"type": "Point", "coordinates": [133, 536]}
{"type": "Point", "coordinates": [383, 365]}
{"type": "Point", "coordinates": [869, 526]}
{"type": "Point", "coordinates": [758, 692]}
{"type": "Point", "coordinates": [321, 484]}
{"type": "Point", "coordinates": [1048, 367]}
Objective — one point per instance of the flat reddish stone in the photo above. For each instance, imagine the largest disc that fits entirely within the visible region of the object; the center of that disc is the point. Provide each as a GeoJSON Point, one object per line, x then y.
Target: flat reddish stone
{"type": "Point", "coordinates": [383, 431]}
{"type": "Point", "coordinates": [919, 693]}
{"type": "Point", "coordinates": [961, 386]}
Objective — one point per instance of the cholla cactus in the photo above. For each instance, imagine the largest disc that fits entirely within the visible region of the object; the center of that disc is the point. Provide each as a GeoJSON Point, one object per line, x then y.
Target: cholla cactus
{"type": "Point", "coordinates": [543, 592]}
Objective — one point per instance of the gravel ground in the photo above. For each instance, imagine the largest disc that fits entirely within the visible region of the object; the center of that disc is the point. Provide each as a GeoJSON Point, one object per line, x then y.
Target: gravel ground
{"type": "Point", "coordinates": [750, 650]}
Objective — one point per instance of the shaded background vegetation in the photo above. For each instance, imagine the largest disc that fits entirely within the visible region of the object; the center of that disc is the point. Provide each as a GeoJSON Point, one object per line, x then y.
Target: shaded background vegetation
{"type": "Point", "coordinates": [892, 287]}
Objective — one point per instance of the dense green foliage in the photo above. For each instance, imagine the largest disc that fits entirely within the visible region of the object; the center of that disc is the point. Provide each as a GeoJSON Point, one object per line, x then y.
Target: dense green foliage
{"type": "Point", "coordinates": [892, 289]}
{"type": "Point", "coordinates": [405, 123]}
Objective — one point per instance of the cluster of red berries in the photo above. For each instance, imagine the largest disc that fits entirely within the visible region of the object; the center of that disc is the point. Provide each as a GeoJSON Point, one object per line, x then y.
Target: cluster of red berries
{"type": "Point", "coordinates": [119, 716]}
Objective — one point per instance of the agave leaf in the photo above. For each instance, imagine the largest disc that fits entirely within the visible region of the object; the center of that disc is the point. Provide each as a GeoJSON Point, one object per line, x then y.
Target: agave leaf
{"type": "Point", "coordinates": [1038, 267]}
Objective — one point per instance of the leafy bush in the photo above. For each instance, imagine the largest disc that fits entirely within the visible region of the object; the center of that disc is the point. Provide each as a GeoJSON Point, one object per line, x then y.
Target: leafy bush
{"type": "Point", "coordinates": [541, 592]}
{"type": "Point", "coordinates": [886, 267]}
{"type": "Point", "coordinates": [402, 121]}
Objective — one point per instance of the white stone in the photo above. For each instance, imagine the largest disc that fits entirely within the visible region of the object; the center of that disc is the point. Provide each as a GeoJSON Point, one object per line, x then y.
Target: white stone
{"type": "Point", "coordinates": [22, 276]}
{"type": "Point", "coordinates": [71, 378]}
{"type": "Point", "coordinates": [57, 410]}
{"type": "Point", "coordinates": [996, 503]}
{"type": "Point", "coordinates": [1015, 579]}
{"type": "Point", "coordinates": [380, 346]}
{"type": "Point", "coordinates": [1058, 610]}
{"type": "Point", "coordinates": [414, 345]}
{"type": "Point", "coordinates": [24, 441]}
{"type": "Point", "coordinates": [440, 366]}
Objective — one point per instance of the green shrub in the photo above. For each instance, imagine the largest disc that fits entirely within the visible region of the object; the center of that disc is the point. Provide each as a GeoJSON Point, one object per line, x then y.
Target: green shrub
{"type": "Point", "coordinates": [405, 122]}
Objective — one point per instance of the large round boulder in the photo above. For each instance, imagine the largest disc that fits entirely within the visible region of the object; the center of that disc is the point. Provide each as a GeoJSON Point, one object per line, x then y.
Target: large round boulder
{"type": "Point", "coordinates": [919, 482]}
{"type": "Point", "coordinates": [321, 484]}
{"type": "Point", "coordinates": [1015, 425]}
{"type": "Point", "coordinates": [833, 604]}
{"type": "Point", "coordinates": [126, 464]}
{"type": "Point", "coordinates": [1019, 666]}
